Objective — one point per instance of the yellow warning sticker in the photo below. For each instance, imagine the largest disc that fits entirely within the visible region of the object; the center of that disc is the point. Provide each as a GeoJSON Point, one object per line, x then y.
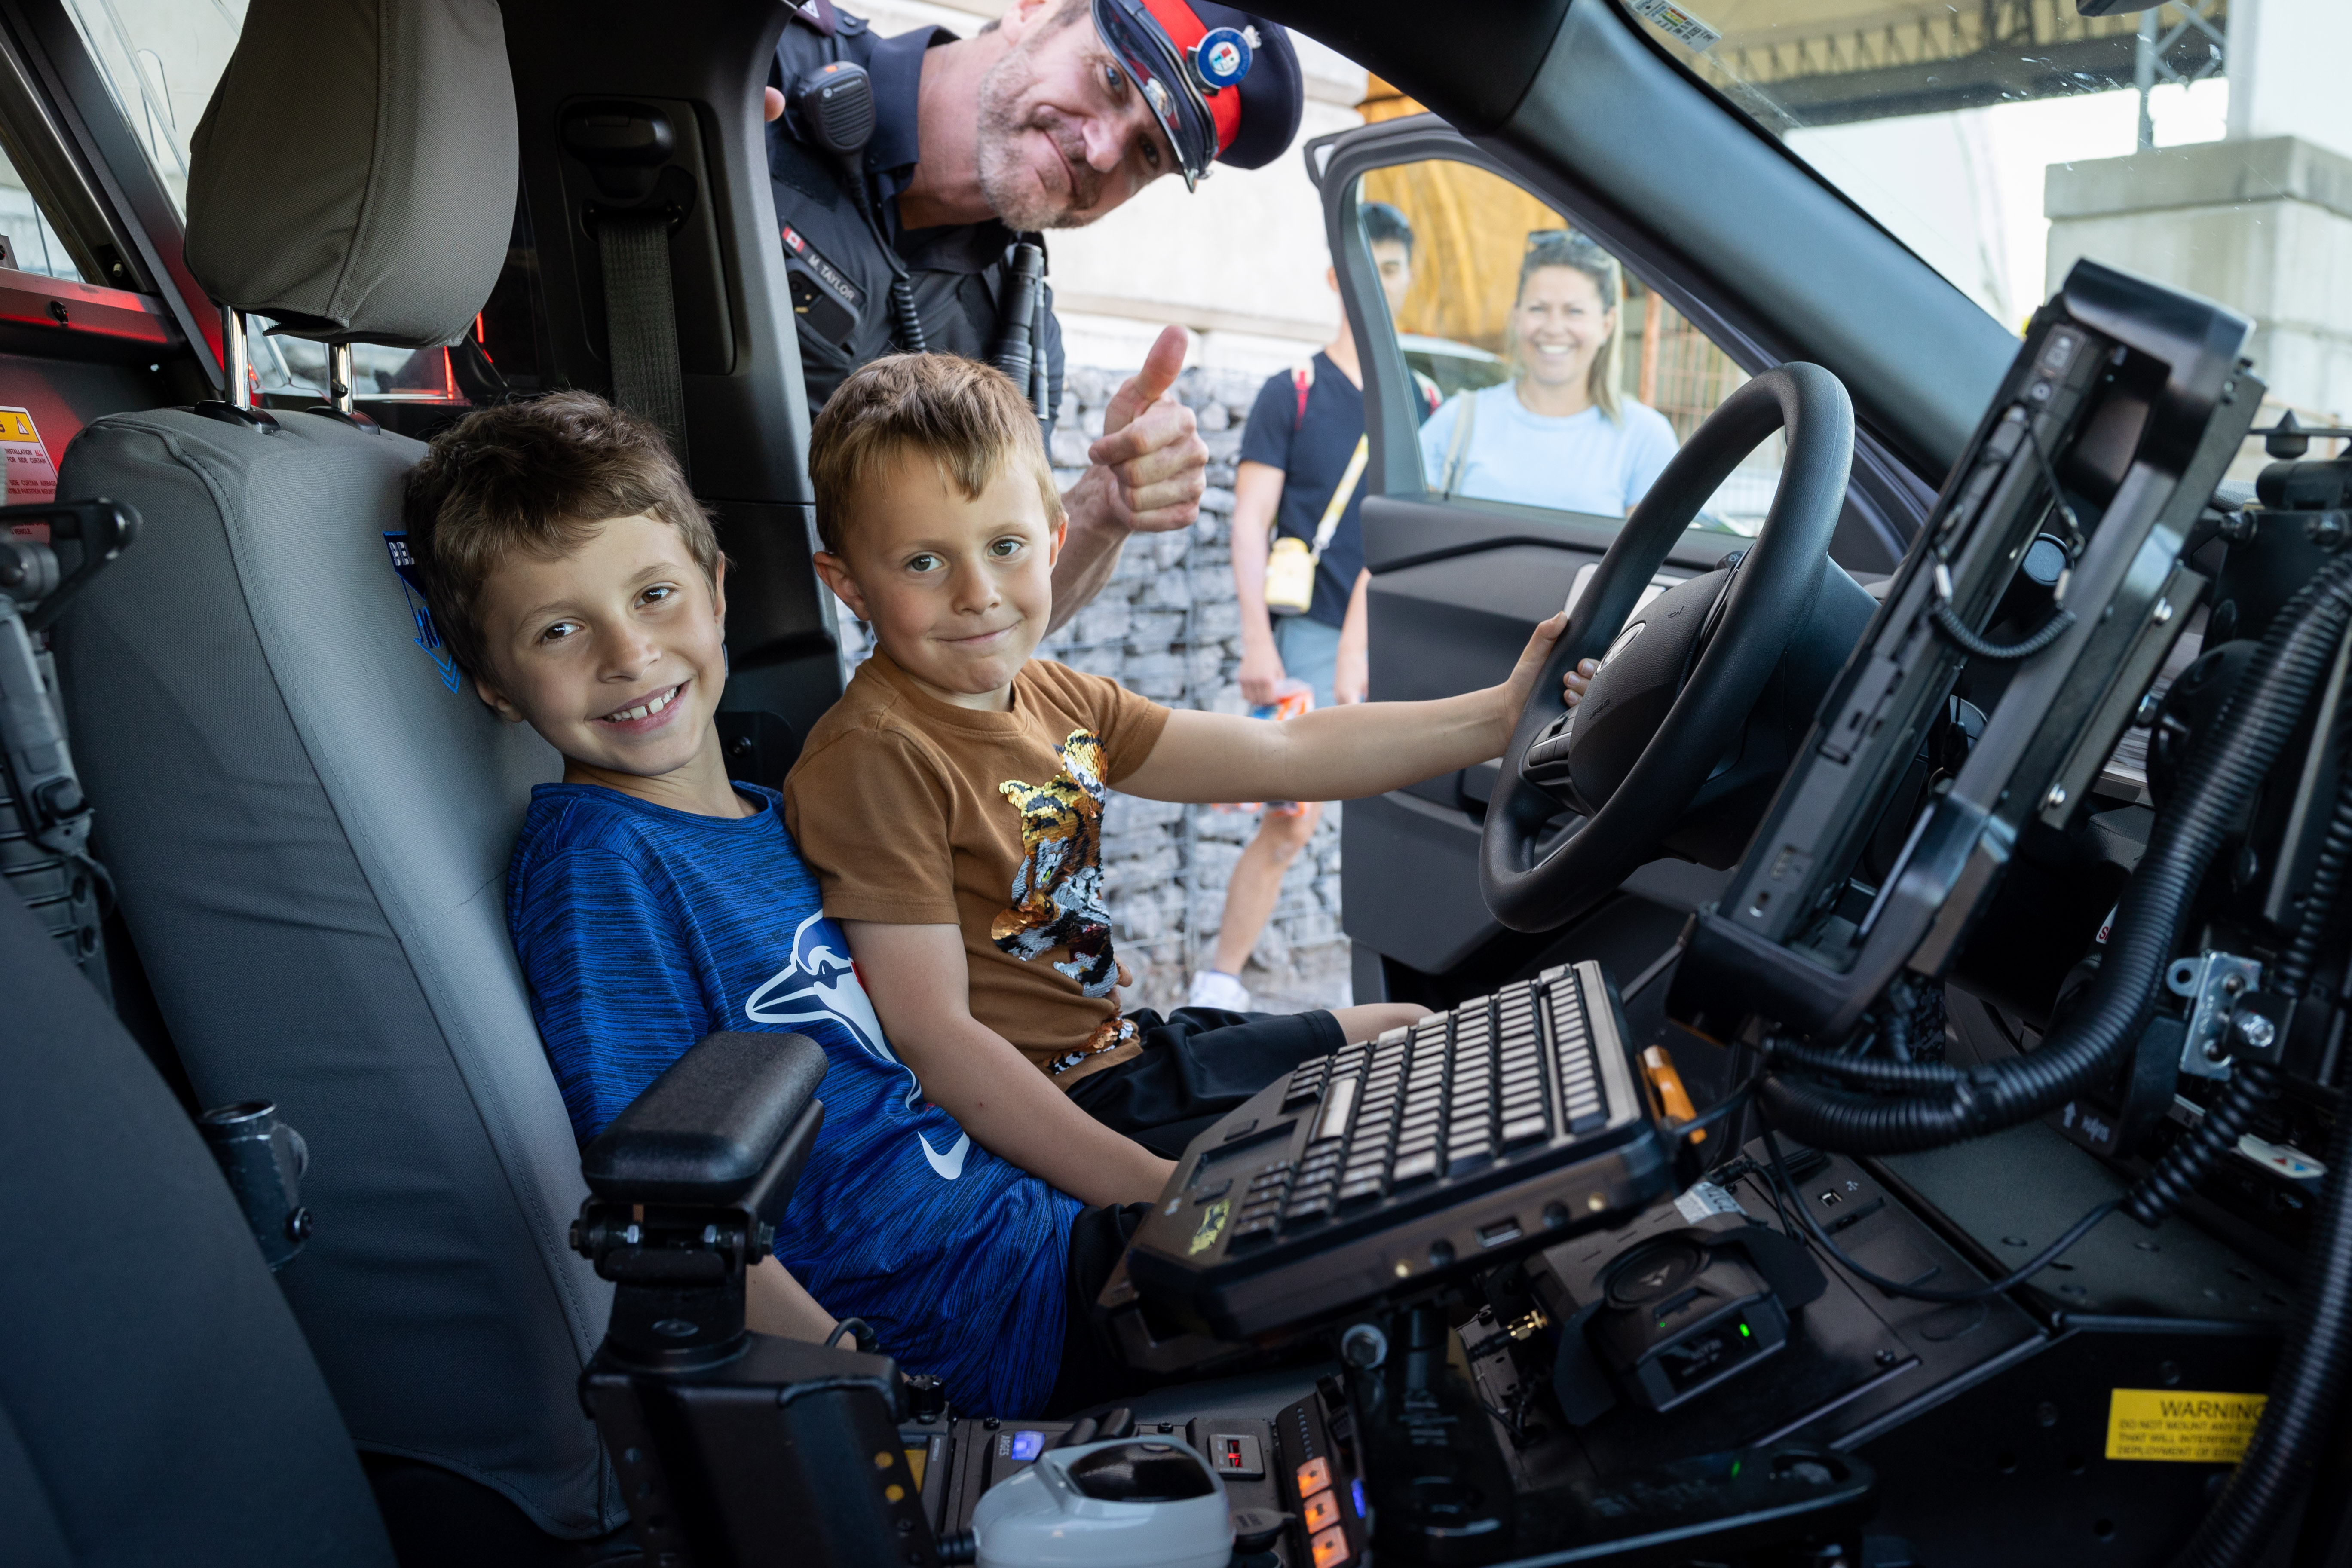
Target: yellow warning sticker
{"type": "Point", "coordinates": [2170, 1424]}
{"type": "Point", "coordinates": [32, 479]}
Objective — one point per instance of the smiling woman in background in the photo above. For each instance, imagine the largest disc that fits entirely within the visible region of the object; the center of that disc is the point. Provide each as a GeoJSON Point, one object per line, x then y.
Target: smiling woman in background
{"type": "Point", "coordinates": [1558, 432]}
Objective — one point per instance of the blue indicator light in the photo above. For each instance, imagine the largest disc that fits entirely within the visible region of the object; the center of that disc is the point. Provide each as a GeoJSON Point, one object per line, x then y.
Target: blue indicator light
{"type": "Point", "coordinates": [1356, 1494]}
{"type": "Point", "coordinates": [1027, 1446]}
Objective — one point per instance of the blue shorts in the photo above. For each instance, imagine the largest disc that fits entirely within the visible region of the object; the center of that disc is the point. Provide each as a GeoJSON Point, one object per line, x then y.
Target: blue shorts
{"type": "Point", "coordinates": [1310, 652]}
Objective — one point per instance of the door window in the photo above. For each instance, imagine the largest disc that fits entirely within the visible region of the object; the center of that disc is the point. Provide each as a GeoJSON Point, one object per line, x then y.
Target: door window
{"type": "Point", "coordinates": [161, 59]}
{"type": "Point", "coordinates": [1552, 375]}
{"type": "Point", "coordinates": [30, 241]}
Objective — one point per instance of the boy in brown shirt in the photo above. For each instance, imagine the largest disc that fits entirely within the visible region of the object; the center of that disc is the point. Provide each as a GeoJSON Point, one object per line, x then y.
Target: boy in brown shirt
{"type": "Point", "coordinates": [951, 802]}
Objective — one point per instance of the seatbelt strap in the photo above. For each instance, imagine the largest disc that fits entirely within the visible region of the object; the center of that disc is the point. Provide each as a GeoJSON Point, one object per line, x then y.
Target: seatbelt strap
{"type": "Point", "coordinates": [641, 323]}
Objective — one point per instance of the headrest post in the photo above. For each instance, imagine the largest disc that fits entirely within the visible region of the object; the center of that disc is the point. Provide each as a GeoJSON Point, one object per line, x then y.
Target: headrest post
{"type": "Point", "coordinates": [233, 353]}
{"type": "Point", "coordinates": [339, 376]}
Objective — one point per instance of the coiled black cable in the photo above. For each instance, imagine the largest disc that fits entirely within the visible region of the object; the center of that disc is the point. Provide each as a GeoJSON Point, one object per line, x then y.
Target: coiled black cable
{"type": "Point", "coordinates": [2227, 765]}
{"type": "Point", "coordinates": [2292, 972]}
{"type": "Point", "coordinates": [907, 325]}
{"type": "Point", "coordinates": [2285, 1453]}
{"type": "Point", "coordinates": [2254, 1085]}
{"type": "Point", "coordinates": [1956, 631]}
{"type": "Point", "coordinates": [2163, 1189]}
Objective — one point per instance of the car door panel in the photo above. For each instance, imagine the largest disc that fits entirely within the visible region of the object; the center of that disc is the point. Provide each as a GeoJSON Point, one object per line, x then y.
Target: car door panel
{"type": "Point", "coordinates": [1429, 917]}
{"type": "Point", "coordinates": [1457, 586]}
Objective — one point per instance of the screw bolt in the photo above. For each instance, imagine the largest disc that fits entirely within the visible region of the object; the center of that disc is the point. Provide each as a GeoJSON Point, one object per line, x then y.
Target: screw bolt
{"type": "Point", "coordinates": [2057, 796]}
{"type": "Point", "coordinates": [2258, 1030]}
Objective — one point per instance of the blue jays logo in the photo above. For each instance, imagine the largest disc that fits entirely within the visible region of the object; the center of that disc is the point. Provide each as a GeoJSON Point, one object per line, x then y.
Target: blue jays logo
{"type": "Point", "coordinates": [821, 986]}
{"type": "Point", "coordinates": [412, 588]}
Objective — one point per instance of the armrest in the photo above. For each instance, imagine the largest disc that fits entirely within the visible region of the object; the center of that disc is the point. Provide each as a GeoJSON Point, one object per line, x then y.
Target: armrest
{"type": "Point", "coordinates": [727, 1125]}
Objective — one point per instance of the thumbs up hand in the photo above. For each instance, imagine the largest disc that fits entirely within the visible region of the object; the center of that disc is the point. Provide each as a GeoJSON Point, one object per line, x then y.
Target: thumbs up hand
{"type": "Point", "coordinates": [1150, 466]}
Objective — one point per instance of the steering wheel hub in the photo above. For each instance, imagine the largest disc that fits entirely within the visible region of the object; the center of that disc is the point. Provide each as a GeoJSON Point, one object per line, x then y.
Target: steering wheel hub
{"type": "Point", "coordinates": [1681, 675]}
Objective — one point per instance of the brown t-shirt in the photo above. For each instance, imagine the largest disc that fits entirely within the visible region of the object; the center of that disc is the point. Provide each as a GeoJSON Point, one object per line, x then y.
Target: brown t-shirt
{"type": "Point", "coordinates": [917, 812]}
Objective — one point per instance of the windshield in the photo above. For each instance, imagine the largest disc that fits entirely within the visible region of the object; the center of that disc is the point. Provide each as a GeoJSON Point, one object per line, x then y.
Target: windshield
{"type": "Point", "coordinates": [2003, 140]}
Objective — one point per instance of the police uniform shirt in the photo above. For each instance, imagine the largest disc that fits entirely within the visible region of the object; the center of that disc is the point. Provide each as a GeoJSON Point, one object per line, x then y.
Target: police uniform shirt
{"type": "Point", "coordinates": [840, 275]}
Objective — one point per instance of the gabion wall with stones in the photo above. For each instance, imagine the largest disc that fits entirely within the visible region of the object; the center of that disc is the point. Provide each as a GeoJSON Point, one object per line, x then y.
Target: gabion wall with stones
{"type": "Point", "coordinates": [1167, 625]}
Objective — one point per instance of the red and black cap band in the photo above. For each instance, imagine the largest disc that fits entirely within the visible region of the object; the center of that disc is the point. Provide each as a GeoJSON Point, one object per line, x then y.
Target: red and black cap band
{"type": "Point", "coordinates": [1222, 83]}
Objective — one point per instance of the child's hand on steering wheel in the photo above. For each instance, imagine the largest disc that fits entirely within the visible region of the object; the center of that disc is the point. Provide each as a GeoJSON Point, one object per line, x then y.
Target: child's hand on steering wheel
{"type": "Point", "coordinates": [1573, 682]}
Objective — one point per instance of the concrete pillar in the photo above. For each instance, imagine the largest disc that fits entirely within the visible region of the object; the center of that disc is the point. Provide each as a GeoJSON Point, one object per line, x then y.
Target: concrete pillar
{"type": "Point", "coordinates": [2285, 63]}
{"type": "Point", "coordinates": [2261, 221]}
{"type": "Point", "coordinates": [2263, 227]}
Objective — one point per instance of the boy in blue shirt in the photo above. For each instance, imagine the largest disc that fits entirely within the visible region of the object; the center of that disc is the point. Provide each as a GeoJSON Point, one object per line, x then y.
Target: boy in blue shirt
{"type": "Point", "coordinates": [652, 902]}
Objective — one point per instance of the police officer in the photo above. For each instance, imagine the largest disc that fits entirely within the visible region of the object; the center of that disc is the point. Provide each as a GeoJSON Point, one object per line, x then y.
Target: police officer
{"type": "Point", "coordinates": [1047, 118]}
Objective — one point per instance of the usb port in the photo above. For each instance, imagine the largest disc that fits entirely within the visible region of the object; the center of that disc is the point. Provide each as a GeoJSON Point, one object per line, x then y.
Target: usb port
{"type": "Point", "coordinates": [1496, 1234]}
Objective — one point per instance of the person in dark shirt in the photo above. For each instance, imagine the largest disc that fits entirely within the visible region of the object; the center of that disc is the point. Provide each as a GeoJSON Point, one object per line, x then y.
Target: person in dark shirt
{"type": "Point", "coordinates": [1300, 487]}
{"type": "Point", "coordinates": [1049, 117]}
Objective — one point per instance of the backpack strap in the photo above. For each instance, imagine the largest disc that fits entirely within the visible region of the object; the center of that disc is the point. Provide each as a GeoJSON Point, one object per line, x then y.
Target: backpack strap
{"type": "Point", "coordinates": [1346, 492]}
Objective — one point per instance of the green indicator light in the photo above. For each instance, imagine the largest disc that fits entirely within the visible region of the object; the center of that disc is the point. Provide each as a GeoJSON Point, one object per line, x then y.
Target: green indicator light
{"type": "Point", "coordinates": [1743, 1331]}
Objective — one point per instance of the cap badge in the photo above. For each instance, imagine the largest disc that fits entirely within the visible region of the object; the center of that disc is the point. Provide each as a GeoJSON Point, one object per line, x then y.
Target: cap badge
{"type": "Point", "coordinates": [1222, 58]}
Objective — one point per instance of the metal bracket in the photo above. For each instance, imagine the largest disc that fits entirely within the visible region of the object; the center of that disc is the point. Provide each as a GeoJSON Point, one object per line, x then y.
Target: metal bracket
{"type": "Point", "coordinates": [2214, 983]}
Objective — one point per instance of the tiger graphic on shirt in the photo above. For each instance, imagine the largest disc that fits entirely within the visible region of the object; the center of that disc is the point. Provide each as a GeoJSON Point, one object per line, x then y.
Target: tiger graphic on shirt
{"type": "Point", "coordinates": [1058, 890]}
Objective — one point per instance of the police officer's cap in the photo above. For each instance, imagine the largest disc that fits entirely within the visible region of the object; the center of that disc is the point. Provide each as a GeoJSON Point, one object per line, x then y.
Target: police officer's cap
{"type": "Point", "coordinates": [1224, 84]}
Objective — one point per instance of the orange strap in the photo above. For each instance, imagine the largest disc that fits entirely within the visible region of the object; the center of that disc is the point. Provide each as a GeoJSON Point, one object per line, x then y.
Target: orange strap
{"type": "Point", "coordinates": [1659, 1068]}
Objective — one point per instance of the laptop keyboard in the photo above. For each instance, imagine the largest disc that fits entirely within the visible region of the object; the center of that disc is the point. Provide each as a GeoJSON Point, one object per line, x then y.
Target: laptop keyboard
{"type": "Point", "coordinates": [1443, 1098]}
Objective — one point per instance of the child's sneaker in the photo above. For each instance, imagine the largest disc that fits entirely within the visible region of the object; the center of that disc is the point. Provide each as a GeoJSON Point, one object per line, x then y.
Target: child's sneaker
{"type": "Point", "coordinates": [1215, 988]}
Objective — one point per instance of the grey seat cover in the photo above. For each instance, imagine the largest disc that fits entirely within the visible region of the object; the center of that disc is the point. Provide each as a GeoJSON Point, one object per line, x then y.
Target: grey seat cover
{"type": "Point", "coordinates": [354, 175]}
{"type": "Point", "coordinates": [157, 1404]}
{"type": "Point", "coordinates": [310, 831]}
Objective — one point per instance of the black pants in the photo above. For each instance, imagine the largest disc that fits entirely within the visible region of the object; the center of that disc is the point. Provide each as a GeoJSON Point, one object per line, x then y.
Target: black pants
{"type": "Point", "coordinates": [1092, 1370]}
{"type": "Point", "coordinates": [1197, 1064]}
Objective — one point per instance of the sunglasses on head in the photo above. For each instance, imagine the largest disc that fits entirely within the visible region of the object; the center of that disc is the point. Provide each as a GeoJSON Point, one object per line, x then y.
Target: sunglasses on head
{"type": "Point", "coordinates": [1564, 239]}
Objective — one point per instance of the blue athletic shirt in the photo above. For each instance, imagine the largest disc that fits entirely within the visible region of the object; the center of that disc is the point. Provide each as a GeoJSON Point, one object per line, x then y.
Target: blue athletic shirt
{"type": "Point", "coordinates": [641, 929]}
{"type": "Point", "coordinates": [1584, 462]}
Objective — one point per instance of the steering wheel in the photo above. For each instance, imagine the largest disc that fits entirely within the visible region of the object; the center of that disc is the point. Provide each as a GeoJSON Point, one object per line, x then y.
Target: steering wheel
{"type": "Point", "coordinates": [1635, 782]}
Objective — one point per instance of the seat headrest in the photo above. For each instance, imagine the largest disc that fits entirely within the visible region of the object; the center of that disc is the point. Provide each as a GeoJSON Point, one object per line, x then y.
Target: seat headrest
{"type": "Point", "coordinates": [354, 176]}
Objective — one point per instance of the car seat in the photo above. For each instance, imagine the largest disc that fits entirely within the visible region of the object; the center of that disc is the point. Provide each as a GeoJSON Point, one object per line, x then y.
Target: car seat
{"type": "Point", "coordinates": [157, 1404]}
{"type": "Point", "coordinates": [309, 815]}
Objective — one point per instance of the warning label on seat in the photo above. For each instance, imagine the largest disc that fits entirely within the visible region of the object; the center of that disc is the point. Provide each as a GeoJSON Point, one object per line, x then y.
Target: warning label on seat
{"type": "Point", "coordinates": [2172, 1424]}
{"type": "Point", "coordinates": [32, 478]}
